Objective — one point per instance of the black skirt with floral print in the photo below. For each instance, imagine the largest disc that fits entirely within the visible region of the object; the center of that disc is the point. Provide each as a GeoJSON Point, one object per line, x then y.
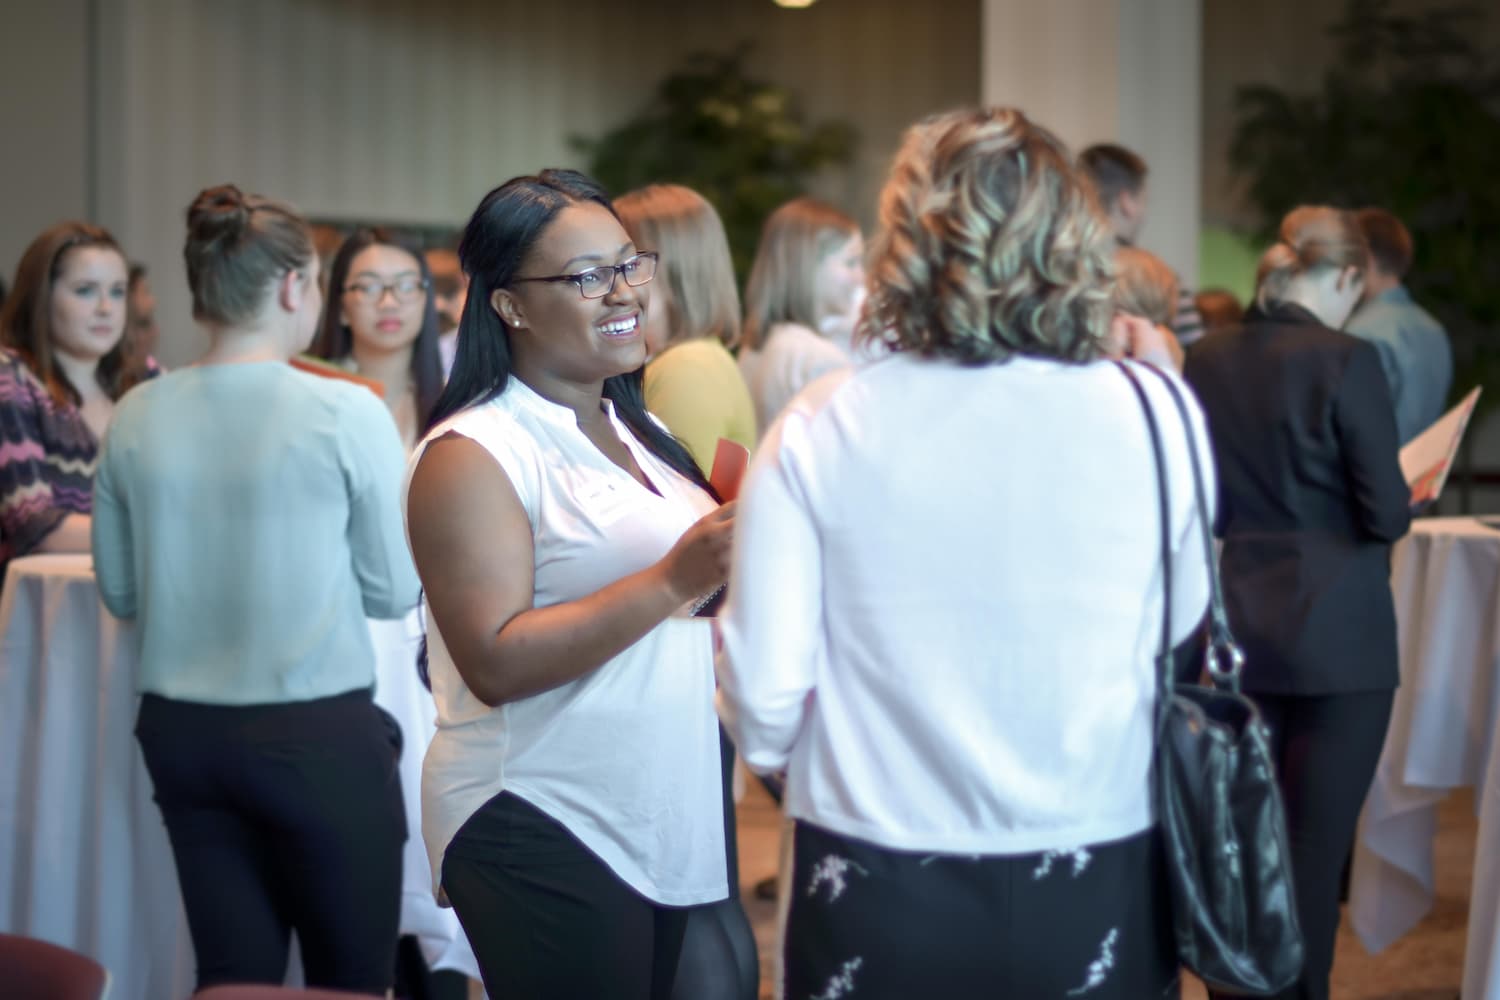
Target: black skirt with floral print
{"type": "Point", "coordinates": [866, 922]}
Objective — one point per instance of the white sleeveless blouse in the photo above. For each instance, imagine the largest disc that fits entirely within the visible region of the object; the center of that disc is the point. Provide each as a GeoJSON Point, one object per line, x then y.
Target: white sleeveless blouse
{"type": "Point", "coordinates": [627, 756]}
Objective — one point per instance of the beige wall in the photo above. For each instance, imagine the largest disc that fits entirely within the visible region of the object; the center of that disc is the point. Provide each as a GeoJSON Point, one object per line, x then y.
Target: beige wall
{"type": "Point", "coordinates": [1123, 71]}
{"type": "Point", "coordinates": [45, 113]}
{"type": "Point", "coordinates": [409, 110]}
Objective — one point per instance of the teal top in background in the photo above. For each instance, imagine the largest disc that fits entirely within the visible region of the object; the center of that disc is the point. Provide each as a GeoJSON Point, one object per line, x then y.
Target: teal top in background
{"type": "Point", "coordinates": [246, 515]}
{"type": "Point", "coordinates": [1414, 352]}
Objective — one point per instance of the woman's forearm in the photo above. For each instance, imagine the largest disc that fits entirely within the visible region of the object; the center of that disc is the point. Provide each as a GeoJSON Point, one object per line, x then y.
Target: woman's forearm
{"type": "Point", "coordinates": [543, 648]}
{"type": "Point", "coordinates": [71, 535]}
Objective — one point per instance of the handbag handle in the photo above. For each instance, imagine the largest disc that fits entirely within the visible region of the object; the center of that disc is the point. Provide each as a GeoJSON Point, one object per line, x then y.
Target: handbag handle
{"type": "Point", "coordinates": [1224, 659]}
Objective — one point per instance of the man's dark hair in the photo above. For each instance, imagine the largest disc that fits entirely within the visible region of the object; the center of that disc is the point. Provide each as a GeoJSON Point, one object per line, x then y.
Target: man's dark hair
{"type": "Point", "coordinates": [1390, 242]}
{"type": "Point", "coordinates": [1114, 171]}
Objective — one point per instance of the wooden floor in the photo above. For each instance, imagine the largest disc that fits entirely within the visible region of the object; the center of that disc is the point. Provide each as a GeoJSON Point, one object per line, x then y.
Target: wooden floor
{"type": "Point", "coordinates": [1427, 964]}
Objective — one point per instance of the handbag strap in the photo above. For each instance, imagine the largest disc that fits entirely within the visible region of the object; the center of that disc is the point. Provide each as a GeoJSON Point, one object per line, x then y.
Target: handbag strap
{"type": "Point", "coordinates": [1164, 517]}
{"type": "Point", "coordinates": [1220, 639]}
{"type": "Point", "coordinates": [1223, 657]}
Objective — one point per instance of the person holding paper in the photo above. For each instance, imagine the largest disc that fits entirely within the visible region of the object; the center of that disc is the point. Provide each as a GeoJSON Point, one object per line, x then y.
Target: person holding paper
{"type": "Point", "coordinates": [572, 799]}
{"type": "Point", "coordinates": [1414, 348]}
{"type": "Point", "coordinates": [1311, 500]}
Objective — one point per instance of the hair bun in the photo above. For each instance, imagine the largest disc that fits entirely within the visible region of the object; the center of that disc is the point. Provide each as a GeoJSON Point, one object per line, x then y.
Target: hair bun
{"type": "Point", "coordinates": [218, 213]}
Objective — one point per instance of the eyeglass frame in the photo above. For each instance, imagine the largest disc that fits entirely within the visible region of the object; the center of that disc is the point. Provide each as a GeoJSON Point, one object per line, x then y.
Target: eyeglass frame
{"type": "Point", "coordinates": [424, 285]}
{"type": "Point", "coordinates": [615, 271]}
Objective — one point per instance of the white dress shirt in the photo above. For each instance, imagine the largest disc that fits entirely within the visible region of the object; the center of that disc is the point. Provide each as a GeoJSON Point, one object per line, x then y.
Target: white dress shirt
{"type": "Point", "coordinates": [625, 757]}
{"type": "Point", "coordinates": [947, 598]}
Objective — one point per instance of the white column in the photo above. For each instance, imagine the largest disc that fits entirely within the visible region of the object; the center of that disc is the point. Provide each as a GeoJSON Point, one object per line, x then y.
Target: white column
{"type": "Point", "coordinates": [1125, 71]}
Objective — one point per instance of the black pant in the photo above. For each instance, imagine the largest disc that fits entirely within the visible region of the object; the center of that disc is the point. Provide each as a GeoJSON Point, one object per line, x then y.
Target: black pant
{"type": "Point", "coordinates": [283, 818]}
{"type": "Point", "coordinates": [547, 919]}
{"type": "Point", "coordinates": [719, 960]}
{"type": "Point", "coordinates": [1326, 749]}
{"type": "Point", "coordinates": [876, 924]}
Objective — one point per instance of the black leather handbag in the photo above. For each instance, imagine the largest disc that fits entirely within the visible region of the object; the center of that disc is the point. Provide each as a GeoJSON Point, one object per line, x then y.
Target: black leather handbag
{"type": "Point", "coordinates": [1218, 807]}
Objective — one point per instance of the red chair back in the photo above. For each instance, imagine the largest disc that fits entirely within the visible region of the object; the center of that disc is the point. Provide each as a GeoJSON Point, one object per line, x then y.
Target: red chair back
{"type": "Point", "coordinates": [248, 992]}
{"type": "Point", "coordinates": [36, 970]}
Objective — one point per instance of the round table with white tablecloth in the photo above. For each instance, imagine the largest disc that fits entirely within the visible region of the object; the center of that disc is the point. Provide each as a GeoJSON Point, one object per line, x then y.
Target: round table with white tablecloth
{"type": "Point", "coordinates": [1446, 579]}
{"type": "Point", "coordinates": [84, 856]}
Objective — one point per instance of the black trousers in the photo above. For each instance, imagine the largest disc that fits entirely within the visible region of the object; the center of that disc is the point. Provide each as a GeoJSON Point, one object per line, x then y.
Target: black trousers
{"type": "Point", "coordinates": [868, 922]}
{"type": "Point", "coordinates": [283, 818]}
{"type": "Point", "coordinates": [1326, 750]}
{"type": "Point", "coordinates": [719, 959]}
{"type": "Point", "coordinates": [547, 919]}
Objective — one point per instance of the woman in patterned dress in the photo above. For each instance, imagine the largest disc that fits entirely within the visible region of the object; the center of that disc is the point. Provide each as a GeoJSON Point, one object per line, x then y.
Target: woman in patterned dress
{"type": "Point", "coordinates": [63, 366]}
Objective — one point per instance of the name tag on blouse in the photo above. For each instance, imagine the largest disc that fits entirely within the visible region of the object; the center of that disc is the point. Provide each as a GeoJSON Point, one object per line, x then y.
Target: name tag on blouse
{"type": "Point", "coordinates": [605, 501]}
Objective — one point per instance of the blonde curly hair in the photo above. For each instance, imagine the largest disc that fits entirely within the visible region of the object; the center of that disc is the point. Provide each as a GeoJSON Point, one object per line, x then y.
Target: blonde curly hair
{"type": "Point", "coordinates": [990, 245]}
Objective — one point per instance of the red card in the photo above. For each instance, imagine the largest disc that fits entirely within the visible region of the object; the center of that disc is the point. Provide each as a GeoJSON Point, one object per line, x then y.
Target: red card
{"type": "Point", "coordinates": [730, 460]}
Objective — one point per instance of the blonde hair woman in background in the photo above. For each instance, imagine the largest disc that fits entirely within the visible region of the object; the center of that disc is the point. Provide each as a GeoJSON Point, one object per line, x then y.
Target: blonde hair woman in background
{"type": "Point", "coordinates": [692, 320]}
{"type": "Point", "coordinates": [1311, 500]}
{"type": "Point", "coordinates": [953, 658]}
{"type": "Point", "coordinates": [801, 302]}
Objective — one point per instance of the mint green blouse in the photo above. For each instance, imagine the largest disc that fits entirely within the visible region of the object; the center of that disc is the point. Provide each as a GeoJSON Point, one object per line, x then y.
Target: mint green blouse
{"type": "Point", "coordinates": [247, 516]}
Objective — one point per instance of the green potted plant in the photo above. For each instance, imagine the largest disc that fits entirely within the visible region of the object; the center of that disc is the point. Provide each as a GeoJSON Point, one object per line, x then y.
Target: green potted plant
{"type": "Point", "coordinates": [1407, 118]}
{"type": "Point", "coordinates": [742, 143]}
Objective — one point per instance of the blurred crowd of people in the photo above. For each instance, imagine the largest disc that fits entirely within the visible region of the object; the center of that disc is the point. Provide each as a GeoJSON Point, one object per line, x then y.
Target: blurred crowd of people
{"type": "Point", "coordinates": [929, 613]}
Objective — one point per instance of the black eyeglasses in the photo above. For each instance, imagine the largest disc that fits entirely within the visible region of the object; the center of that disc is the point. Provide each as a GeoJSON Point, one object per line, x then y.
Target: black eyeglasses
{"type": "Point", "coordinates": [597, 282]}
{"type": "Point", "coordinates": [403, 289]}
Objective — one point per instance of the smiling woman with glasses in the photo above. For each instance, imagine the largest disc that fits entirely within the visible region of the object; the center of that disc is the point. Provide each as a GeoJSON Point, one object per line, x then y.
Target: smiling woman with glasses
{"type": "Point", "coordinates": [380, 321]}
{"type": "Point", "coordinates": [572, 799]}
{"type": "Point", "coordinates": [597, 282]}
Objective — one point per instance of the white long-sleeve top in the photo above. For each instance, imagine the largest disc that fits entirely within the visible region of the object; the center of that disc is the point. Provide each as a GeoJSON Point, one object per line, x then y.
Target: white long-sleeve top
{"type": "Point", "coordinates": [947, 598]}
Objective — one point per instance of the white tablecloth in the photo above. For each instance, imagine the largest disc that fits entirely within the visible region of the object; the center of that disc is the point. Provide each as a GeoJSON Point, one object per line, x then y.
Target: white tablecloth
{"type": "Point", "coordinates": [84, 857]}
{"type": "Point", "coordinates": [1442, 736]}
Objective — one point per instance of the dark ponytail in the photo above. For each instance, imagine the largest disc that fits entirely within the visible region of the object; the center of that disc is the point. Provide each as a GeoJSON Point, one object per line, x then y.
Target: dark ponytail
{"type": "Point", "coordinates": [501, 233]}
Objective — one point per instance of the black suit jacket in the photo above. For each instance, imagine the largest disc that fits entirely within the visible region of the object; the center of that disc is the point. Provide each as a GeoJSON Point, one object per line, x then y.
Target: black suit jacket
{"type": "Point", "coordinates": [1311, 498]}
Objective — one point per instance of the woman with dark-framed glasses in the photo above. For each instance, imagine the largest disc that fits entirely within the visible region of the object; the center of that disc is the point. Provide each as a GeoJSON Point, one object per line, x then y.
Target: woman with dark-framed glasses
{"type": "Point", "coordinates": [572, 802]}
{"type": "Point", "coordinates": [379, 320]}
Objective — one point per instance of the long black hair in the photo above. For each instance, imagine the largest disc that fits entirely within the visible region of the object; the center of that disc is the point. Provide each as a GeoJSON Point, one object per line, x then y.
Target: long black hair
{"type": "Point", "coordinates": [501, 233]}
{"type": "Point", "coordinates": [335, 341]}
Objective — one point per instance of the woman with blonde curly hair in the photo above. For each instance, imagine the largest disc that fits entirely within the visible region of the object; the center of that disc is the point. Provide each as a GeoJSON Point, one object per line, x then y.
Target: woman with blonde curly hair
{"type": "Point", "coordinates": [945, 598]}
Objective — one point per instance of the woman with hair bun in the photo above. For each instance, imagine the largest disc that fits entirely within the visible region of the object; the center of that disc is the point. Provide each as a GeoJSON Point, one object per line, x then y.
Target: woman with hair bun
{"type": "Point", "coordinates": [946, 595]}
{"type": "Point", "coordinates": [246, 517]}
{"type": "Point", "coordinates": [1311, 501]}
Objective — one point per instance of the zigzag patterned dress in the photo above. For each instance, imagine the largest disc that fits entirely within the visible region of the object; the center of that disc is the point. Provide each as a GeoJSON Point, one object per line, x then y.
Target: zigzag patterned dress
{"type": "Point", "coordinates": [47, 459]}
